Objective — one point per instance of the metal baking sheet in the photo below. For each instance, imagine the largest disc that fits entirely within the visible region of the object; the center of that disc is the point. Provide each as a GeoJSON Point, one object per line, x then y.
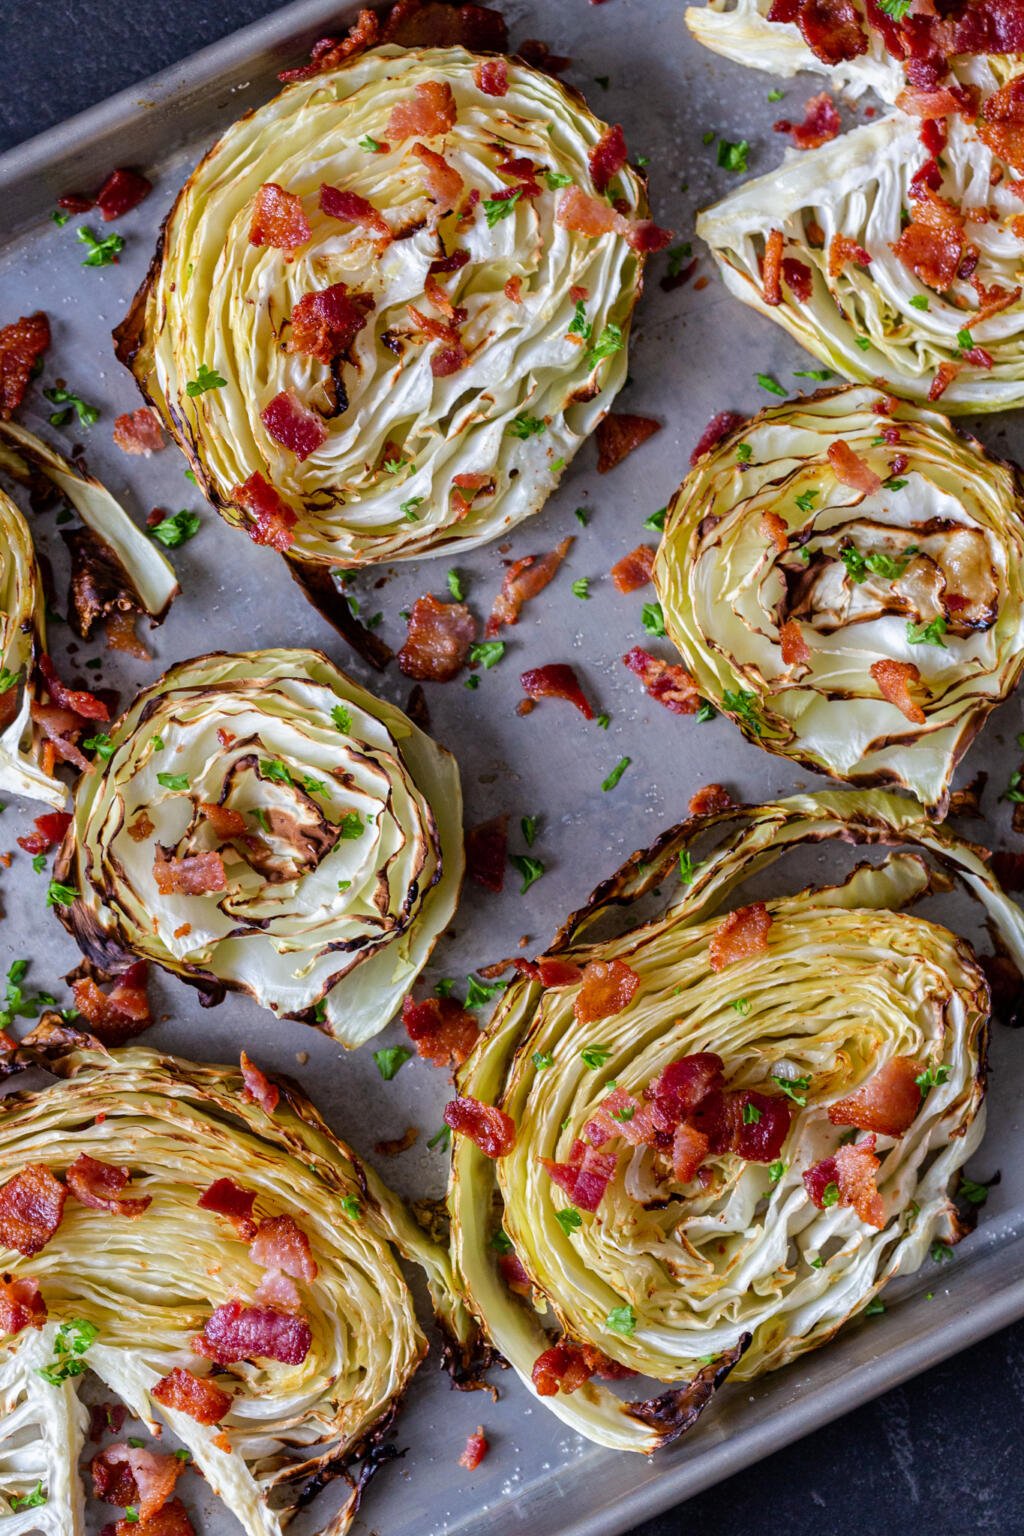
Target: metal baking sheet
{"type": "Point", "coordinates": [694, 352]}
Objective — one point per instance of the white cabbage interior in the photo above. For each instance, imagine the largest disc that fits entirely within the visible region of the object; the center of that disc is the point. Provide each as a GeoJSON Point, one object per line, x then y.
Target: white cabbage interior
{"type": "Point", "coordinates": [721, 585]}
{"type": "Point", "coordinates": [353, 927]}
{"type": "Point", "coordinates": [22, 638]}
{"type": "Point", "coordinates": [222, 302]}
{"type": "Point", "coordinates": [858, 186]}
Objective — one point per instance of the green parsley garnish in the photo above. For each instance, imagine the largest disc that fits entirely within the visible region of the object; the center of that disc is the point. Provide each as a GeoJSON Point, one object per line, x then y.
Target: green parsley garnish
{"type": "Point", "coordinates": [621, 1320]}
{"type": "Point", "coordinates": [569, 1219]}
{"type": "Point", "coordinates": [656, 521]}
{"type": "Point", "coordinates": [341, 718]}
{"type": "Point", "coordinates": [176, 781]}
{"type": "Point", "coordinates": [744, 453]}
{"type": "Point", "coordinates": [528, 827]}
{"type": "Point", "coordinates": [775, 1171]}
{"type": "Point", "coordinates": [602, 722]}
{"type": "Point", "coordinates": [927, 634]}
{"type": "Point", "coordinates": [616, 773]}
{"type": "Point", "coordinates": [751, 1113]}
{"type": "Point", "coordinates": [31, 1500]}
{"type": "Point", "coordinates": [70, 1344]}
{"type": "Point", "coordinates": [350, 1205]}
{"type": "Point", "coordinates": [557, 179]}
{"type": "Point", "coordinates": [771, 385]}
{"type": "Point", "coordinates": [582, 516]}
{"type": "Point", "coordinates": [580, 326]}
{"type": "Point", "coordinates": [542, 1060]}
{"type": "Point", "coordinates": [580, 586]}
{"type": "Point", "coordinates": [741, 1006]}
{"type": "Point", "coordinates": [478, 993]}
{"type": "Point", "coordinates": [441, 1138]}
{"type": "Point", "coordinates": [102, 253]}
{"type": "Point", "coordinates": [58, 895]}
{"type": "Point", "coordinates": [351, 826]}
{"type": "Point", "coordinates": [875, 1308]}
{"type": "Point", "coordinates": [524, 426]}
{"type": "Point", "coordinates": [932, 1077]}
{"type": "Point", "coordinates": [408, 509]}
{"type": "Point", "coordinates": [498, 208]}
{"type": "Point", "coordinates": [705, 712]}
{"type": "Point", "coordinates": [805, 501]}
{"type": "Point", "coordinates": [206, 378]}
{"type": "Point", "coordinates": [487, 652]}
{"type": "Point", "coordinates": [794, 1088]}
{"type": "Point", "coordinates": [973, 1192]}
{"type": "Point", "coordinates": [530, 869]}
{"type": "Point", "coordinates": [73, 405]}
{"type": "Point", "coordinates": [272, 768]}
{"type": "Point", "coordinates": [775, 94]}
{"type": "Point", "coordinates": [455, 586]}
{"type": "Point", "coordinates": [919, 301]}
{"type": "Point", "coordinates": [820, 374]}
{"type": "Point", "coordinates": [830, 1195]}
{"type": "Point", "coordinates": [501, 1242]}
{"type": "Point", "coordinates": [389, 1059]}
{"type": "Point", "coordinates": [687, 868]}
{"type": "Point", "coordinates": [607, 344]}
{"type": "Point", "coordinates": [39, 863]}
{"type": "Point", "coordinates": [595, 1056]}
{"type": "Point", "coordinates": [940, 1252]}
{"type": "Point", "coordinates": [101, 745]}
{"type": "Point", "coordinates": [176, 529]}
{"type": "Point", "coordinates": [741, 702]}
{"type": "Point", "coordinates": [653, 618]}
{"type": "Point", "coordinates": [370, 144]}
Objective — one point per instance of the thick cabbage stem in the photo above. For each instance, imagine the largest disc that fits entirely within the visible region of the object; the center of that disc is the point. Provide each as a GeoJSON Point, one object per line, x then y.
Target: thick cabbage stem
{"type": "Point", "coordinates": [844, 576]}
{"type": "Point", "coordinates": [146, 1286]}
{"type": "Point", "coordinates": [417, 439]}
{"type": "Point", "coordinates": [22, 641]}
{"type": "Point", "coordinates": [263, 823]}
{"type": "Point", "coordinates": [672, 1273]}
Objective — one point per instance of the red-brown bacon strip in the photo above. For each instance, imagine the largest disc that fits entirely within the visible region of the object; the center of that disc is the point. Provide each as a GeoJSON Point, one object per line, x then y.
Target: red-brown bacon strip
{"type": "Point", "coordinates": [226, 1198]}
{"type": "Point", "coordinates": [99, 1185]}
{"type": "Point", "coordinates": [771, 268]}
{"type": "Point", "coordinates": [81, 703]}
{"type": "Point", "coordinates": [120, 1014]}
{"type": "Point", "coordinates": [281, 1244]}
{"type": "Point", "coordinates": [123, 190]}
{"type": "Point", "coordinates": [350, 208]}
{"type": "Point", "coordinates": [491, 76]}
{"type": "Point", "coordinates": [606, 988]}
{"type": "Point", "coordinates": [139, 432]}
{"type": "Point", "coordinates": [237, 1332]}
{"type": "Point", "coordinates": [49, 831]}
{"type": "Point", "coordinates": [888, 1102]}
{"type": "Point", "coordinates": [442, 1031]}
{"type": "Point", "coordinates": [585, 1177]}
{"type": "Point", "coordinates": [443, 181]}
{"type": "Point", "coordinates": [21, 1305]}
{"type": "Point", "coordinates": [486, 852]}
{"type": "Point", "coordinates": [197, 874]}
{"type": "Point", "coordinates": [438, 640]}
{"type": "Point", "coordinates": [709, 800]}
{"type": "Point", "coordinates": [742, 934]}
{"type": "Point", "coordinates": [172, 1520]}
{"type": "Point", "coordinates": [608, 157]}
{"type": "Point", "coordinates": [667, 682]}
{"type": "Point", "coordinates": [618, 434]}
{"type": "Point", "coordinates": [853, 1171]}
{"type": "Point", "coordinates": [132, 1475]}
{"type": "Point", "coordinates": [22, 344]}
{"type": "Point", "coordinates": [31, 1208]}
{"type": "Point", "coordinates": [718, 427]}
{"type": "Point", "coordinates": [852, 470]}
{"type": "Point", "coordinates": [556, 681]}
{"type": "Point", "coordinates": [429, 113]}
{"type": "Point", "coordinates": [894, 679]}
{"type": "Point", "coordinates": [278, 219]}
{"type": "Point", "coordinates": [634, 570]}
{"type": "Point", "coordinates": [488, 1127]}
{"type": "Point", "coordinates": [257, 1087]}
{"type": "Point", "coordinates": [201, 1399]}
{"type": "Point", "coordinates": [524, 579]}
{"type": "Point", "coordinates": [477, 1447]}
{"type": "Point", "coordinates": [326, 322]}
{"type": "Point", "coordinates": [593, 217]}
{"type": "Point", "coordinates": [932, 245]}
{"type": "Point", "coordinates": [270, 519]}
{"type": "Point", "coordinates": [293, 425]}
{"type": "Point", "coordinates": [821, 123]}
{"type": "Point", "coordinates": [565, 1367]}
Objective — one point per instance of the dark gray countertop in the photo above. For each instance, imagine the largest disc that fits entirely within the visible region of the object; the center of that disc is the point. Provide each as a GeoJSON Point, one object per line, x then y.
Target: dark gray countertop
{"type": "Point", "coordinates": [942, 1455]}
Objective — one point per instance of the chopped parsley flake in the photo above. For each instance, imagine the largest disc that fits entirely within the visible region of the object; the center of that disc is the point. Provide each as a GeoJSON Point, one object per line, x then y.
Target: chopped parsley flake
{"type": "Point", "coordinates": [771, 385]}
{"type": "Point", "coordinates": [455, 586]}
{"type": "Point", "coordinates": [341, 717]}
{"type": "Point", "coordinates": [528, 827]}
{"type": "Point", "coordinates": [830, 1195]}
{"type": "Point", "coordinates": [751, 1113]}
{"type": "Point", "coordinates": [101, 745]}
{"type": "Point", "coordinates": [70, 1344]}
{"type": "Point", "coordinates": [569, 1219]}
{"type": "Point", "coordinates": [653, 618]}
{"type": "Point", "coordinates": [530, 869]}
{"type": "Point", "coordinates": [582, 516]}
{"type": "Point", "coordinates": [176, 529]}
{"type": "Point", "coordinates": [351, 826]}
{"type": "Point", "coordinates": [408, 509]}
{"type": "Point", "coordinates": [370, 144]}
{"type": "Point", "coordinates": [805, 501]}
{"type": "Point", "coordinates": [487, 652]}
{"type": "Point", "coordinates": [498, 208]}
{"type": "Point", "coordinates": [656, 521]}
{"type": "Point", "coordinates": [919, 301]}
{"type": "Point", "coordinates": [350, 1205]}
{"type": "Point", "coordinates": [542, 1060]}
{"type": "Point", "coordinates": [441, 1138]}
{"type": "Point", "coordinates": [580, 326]}
{"type": "Point", "coordinates": [207, 378]}
{"type": "Point", "coordinates": [932, 1077]}
{"type": "Point", "coordinates": [733, 157]}
{"type": "Point", "coordinates": [741, 702]}
{"type": "Point", "coordinates": [501, 1242]}
{"type": "Point", "coordinates": [794, 1088]}
{"type": "Point", "coordinates": [820, 374]}
{"type": "Point", "coordinates": [927, 634]}
{"type": "Point", "coordinates": [527, 426]}
{"type": "Point", "coordinates": [775, 1171]}
{"type": "Point", "coordinates": [73, 405]}
{"type": "Point", "coordinates": [616, 773]}
{"type": "Point", "coordinates": [478, 993]}
{"type": "Point", "coordinates": [389, 1059]}
{"type": "Point", "coordinates": [607, 344]}
{"type": "Point", "coordinates": [102, 253]}
{"type": "Point", "coordinates": [687, 868]}
{"type": "Point", "coordinates": [179, 782]}
{"type": "Point", "coordinates": [595, 1056]}
{"type": "Point", "coordinates": [557, 179]}
{"type": "Point", "coordinates": [580, 586]}
{"type": "Point", "coordinates": [973, 1192]}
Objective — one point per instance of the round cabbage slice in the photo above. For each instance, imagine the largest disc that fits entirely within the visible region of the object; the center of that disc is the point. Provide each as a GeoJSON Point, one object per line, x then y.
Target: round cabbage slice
{"type": "Point", "coordinates": [126, 1296]}
{"type": "Point", "coordinates": [864, 629]}
{"type": "Point", "coordinates": [422, 445]}
{"type": "Point", "coordinates": [22, 641]}
{"type": "Point", "coordinates": [743, 1265]}
{"type": "Point", "coordinates": [851, 198]}
{"type": "Point", "coordinates": [262, 823]}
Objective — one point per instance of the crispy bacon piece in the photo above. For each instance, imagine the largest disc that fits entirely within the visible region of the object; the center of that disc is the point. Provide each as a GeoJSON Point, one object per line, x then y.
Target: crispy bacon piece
{"type": "Point", "coordinates": [944, 376]}
{"type": "Point", "coordinates": [798, 277]}
{"type": "Point", "coordinates": [821, 123]}
{"type": "Point", "coordinates": [606, 988]}
{"type": "Point", "coordinates": [592, 216]}
{"type": "Point", "coordinates": [278, 219]}
{"type": "Point", "coordinates": [771, 270]}
{"type": "Point", "coordinates": [894, 679]}
{"type": "Point", "coordinates": [429, 113]}
{"type": "Point", "coordinates": [709, 800]}
{"type": "Point", "coordinates": [438, 641]}
{"type": "Point", "coordinates": [281, 1244]}
{"type": "Point", "coordinates": [888, 1102]}
{"type": "Point", "coordinates": [87, 705]}
{"type": "Point", "coordinates": [271, 519]}
{"type": "Point", "coordinates": [842, 251]}
{"type": "Point", "coordinates": [852, 470]}
{"type": "Point", "coordinates": [21, 345]}
{"type": "Point", "coordinates": [548, 970]}
{"type": "Point", "coordinates": [1001, 124]}
{"type": "Point", "coordinates": [237, 1332]}
{"type": "Point", "coordinates": [226, 1198]}
{"type": "Point", "coordinates": [146, 1477]}
{"type": "Point", "coordinates": [257, 1087]}
{"type": "Point", "coordinates": [794, 648]}
{"type": "Point", "coordinates": [394, 1146]}
{"type": "Point", "coordinates": [634, 570]}
{"type": "Point", "coordinates": [122, 191]}
{"type": "Point", "coordinates": [99, 1185]}
{"type": "Point", "coordinates": [31, 1208]}
{"type": "Point", "coordinates": [477, 1445]}
{"type": "Point", "coordinates": [992, 299]}
{"type": "Point", "coordinates": [172, 1520]}
{"type": "Point", "coordinates": [106, 1419]}
{"type": "Point", "coordinates": [742, 934]}
{"type": "Point", "coordinates": [618, 434]}
{"type": "Point", "coordinates": [197, 874]}
{"type": "Point", "coordinates": [21, 1305]}
{"type": "Point", "coordinates": [120, 1014]}
{"type": "Point", "coordinates": [513, 289]}
{"type": "Point", "coordinates": [667, 682]}
{"type": "Point", "coordinates": [932, 245]}
{"type": "Point", "coordinates": [491, 76]}
{"type": "Point", "coordinates": [556, 681]}
{"type": "Point", "coordinates": [486, 851]}
{"type": "Point", "coordinates": [226, 823]}
{"type": "Point", "coordinates": [353, 209]}
{"type": "Point", "coordinates": [442, 1031]}
{"type": "Point", "coordinates": [565, 1367]}
{"type": "Point", "coordinates": [928, 105]}
{"type": "Point", "coordinates": [112, 1480]}
{"type": "Point", "coordinates": [853, 1171]}
{"type": "Point", "coordinates": [776, 529]}
{"type": "Point", "coordinates": [488, 1127]}
{"type": "Point", "coordinates": [139, 432]}
{"type": "Point", "coordinates": [522, 580]}
{"type": "Point", "coordinates": [49, 831]}
{"type": "Point", "coordinates": [443, 181]}
{"type": "Point", "coordinates": [608, 157]}
{"type": "Point", "coordinates": [328, 52]}
{"type": "Point", "coordinates": [514, 1275]}
{"type": "Point", "coordinates": [586, 1175]}
{"type": "Point", "coordinates": [326, 322]}
{"type": "Point", "coordinates": [61, 727]}
{"type": "Point", "coordinates": [293, 425]}
{"type": "Point", "coordinates": [832, 30]}
{"type": "Point", "coordinates": [750, 1124]}
{"type": "Point", "coordinates": [201, 1399]}
{"type": "Point", "coordinates": [537, 53]}
{"type": "Point", "coordinates": [718, 427]}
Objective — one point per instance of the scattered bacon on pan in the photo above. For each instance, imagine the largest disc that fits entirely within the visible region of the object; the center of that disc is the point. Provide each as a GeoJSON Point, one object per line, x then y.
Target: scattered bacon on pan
{"type": "Point", "coordinates": [139, 432]}
{"type": "Point", "coordinates": [281, 1244]}
{"type": "Point", "coordinates": [443, 181]}
{"type": "Point", "coordinates": [172, 1520]}
{"type": "Point", "coordinates": [850, 1176]}
{"type": "Point", "coordinates": [147, 1478]}
{"type": "Point", "coordinates": [523, 580]}
{"type": "Point", "coordinates": [771, 269]}
{"type": "Point", "coordinates": [894, 679]}
{"type": "Point", "coordinates": [293, 425]}
{"type": "Point", "coordinates": [709, 800]}
{"type": "Point", "coordinates": [556, 681]}
{"type": "Point", "coordinates": [888, 1102]}
{"type": "Point", "coordinates": [794, 648]}
{"type": "Point", "coordinates": [61, 727]}
{"type": "Point", "coordinates": [842, 251]}
{"type": "Point", "coordinates": [112, 1479]}
{"type": "Point", "coordinates": [592, 216]}
{"type": "Point", "coordinates": [234, 1331]}
{"type": "Point", "coordinates": [201, 1399]}
{"type": "Point", "coordinates": [477, 1447]}
{"type": "Point", "coordinates": [488, 1127]}
{"type": "Point", "coordinates": [776, 529]}
{"type": "Point", "coordinates": [22, 344]}
{"type": "Point", "coordinates": [718, 427]}
{"type": "Point", "coordinates": [197, 874]}
{"type": "Point", "coordinates": [226, 1198]}
{"type": "Point", "coordinates": [352, 209]}
{"type": "Point", "coordinates": [123, 190]}
{"type": "Point", "coordinates": [31, 1208]}
{"type": "Point", "coordinates": [618, 434]}
{"type": "Point", "coordinates": [486, 852]}
{"type": "Point", "coordinates": [328, 52]}
{"type": "Point", "coordinates": [270, 519]}
{"type": "Point", "coordinates": [606, 988]}
{"type": "Point", "coordinates": [258, 1089]}
{"type": "Point", "coordinates": [106, 1419]}
{"type": "Point", "coordinates": [86, 705]}
{"type": "Point", "coordinates": [326, 322]}
{"type": "Point", "coordinates": [438, 640]}
{"type": "Point", "coordinates": [608, 157]}
{"type": "Point", "coordinates": [278, 219]}
{"type": "Point", "coordinates": [565, 1367]}
{"type": "Point", "coordinates": [932, 245]}
{"type": "Point", "coordinates": [532, 51]}
{"type": "Point", "coordinates": [944, 376]}
{"type": "Point", "coordinates": [852, 470]}
{"type": "Point", "coordinates": [119, 1014]}
{"type": "Point", "coordinates": [491, 76]}
{"type": "Point", "coordinates": [831, 28]}
{"type": "Point", "coordinates": [667, 682]}
{"type": "Point", "coordinates": [49, 831]}
{"type": "Point", "coordinates": [21, 1305]}
{"type": "Point", "coordinates": [99, 1186]}
{"type": "Point", "coordinates": [429, 113]}
{"type": "Point", "coordinates": [742, 934]}
{"type": "Point", "coordinates": [634, 570]}
{"type": "Point", "coordinates": [821, 123]}
{"type": "Point", "coordinates": [585, 1177]}
{"type": "Point", "coordinates": [442, 1031]}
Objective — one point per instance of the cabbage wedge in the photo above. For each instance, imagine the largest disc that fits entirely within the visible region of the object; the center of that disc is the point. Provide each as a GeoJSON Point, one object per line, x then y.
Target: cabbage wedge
{"type": "Point", "coordinates": [262, 823]}
{"type": "Point", "coordinates": [739, 1268]}
{"type": "Point", "coordinates": [133, 1293]}
{"type": "Point", "coordinates": [22, 641]}
{"type": "Point", "coordinates": [796, 598]}
{"type": "Point", "coordinates": [467, 377]}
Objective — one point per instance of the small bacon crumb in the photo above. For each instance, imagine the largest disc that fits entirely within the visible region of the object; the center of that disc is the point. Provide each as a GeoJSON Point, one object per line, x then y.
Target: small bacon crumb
{"type": "Point", "coordinates": [851, 469]}
{"type": "Point", "coordinates": [667, 682]}
{"type": "Point", "coordinates": [608, 157]}
{"type": "Point", "coordinates": [22, 344]}
{"type": "Point", "coordinates": [477, 1445]}
{"type": "Point", "coordinates": [523, 580]}
{"type": "Point", "coordinates": [270, 519]}
{"type": "Point", "coordinates": [21, 1305]}
{"type": "Point", "coordinates": [31, 1208]}
{"type": "Point", "coordinates": [438, 640]}
{"type": "Point", "coordinates": [894, 679]}
{"type": "Point", "coordinates": [442, 1031]}
{"type": "Point", "coordinates": [842, 251]}
{"type": "Point", "coordinates": [139, 432]}
{"type": "Point", "coordinates": [634, 570]}
{"type": "Point", "coordinates": [742, 934]}
{"type": "Point", "coordinates": [821, 123]}
{"type": "Point", "coordinates": [618, 434]}
{"type": "Point", "coordinates": [771, 274]}
{"type": "Point", "coordinates": [278, 219]}
{"type": "Point", "coordinates": [775, 528]}
{"type": "Point", "coordinates": [226, 1198]}
{"type": "Point", "coordinates": [556, 681]}
{"type": "Point", "coordinates": [794, 648]}
{"type": "Point", "coordinates": [197, 874]}
{"type": "Point", "coordinates": [606, 988]}
{"type": "Point", "coordinates": [709, 800]}
{"type": "Point", "coordinates": [99, 1185]}
{"type": "Point", "coordinates": [430, 113]}
{"type": "Point", "coordinates": [201, 1399]}
{"type": "Point", "coordinates": [123, 190]}
{"type": "Point", "coordinates": [491, 76]}
{"type": "Point", "coordinates": [488, 1127]}
{"type": "Point", "coordinates": [944, 376]}
{"type": "Point", "coordinates": [257, 1087]}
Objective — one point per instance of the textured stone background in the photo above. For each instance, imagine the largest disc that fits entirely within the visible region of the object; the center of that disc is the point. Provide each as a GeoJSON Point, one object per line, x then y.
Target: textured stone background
{"type": "Point", "coordinates": [942, 1456]}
